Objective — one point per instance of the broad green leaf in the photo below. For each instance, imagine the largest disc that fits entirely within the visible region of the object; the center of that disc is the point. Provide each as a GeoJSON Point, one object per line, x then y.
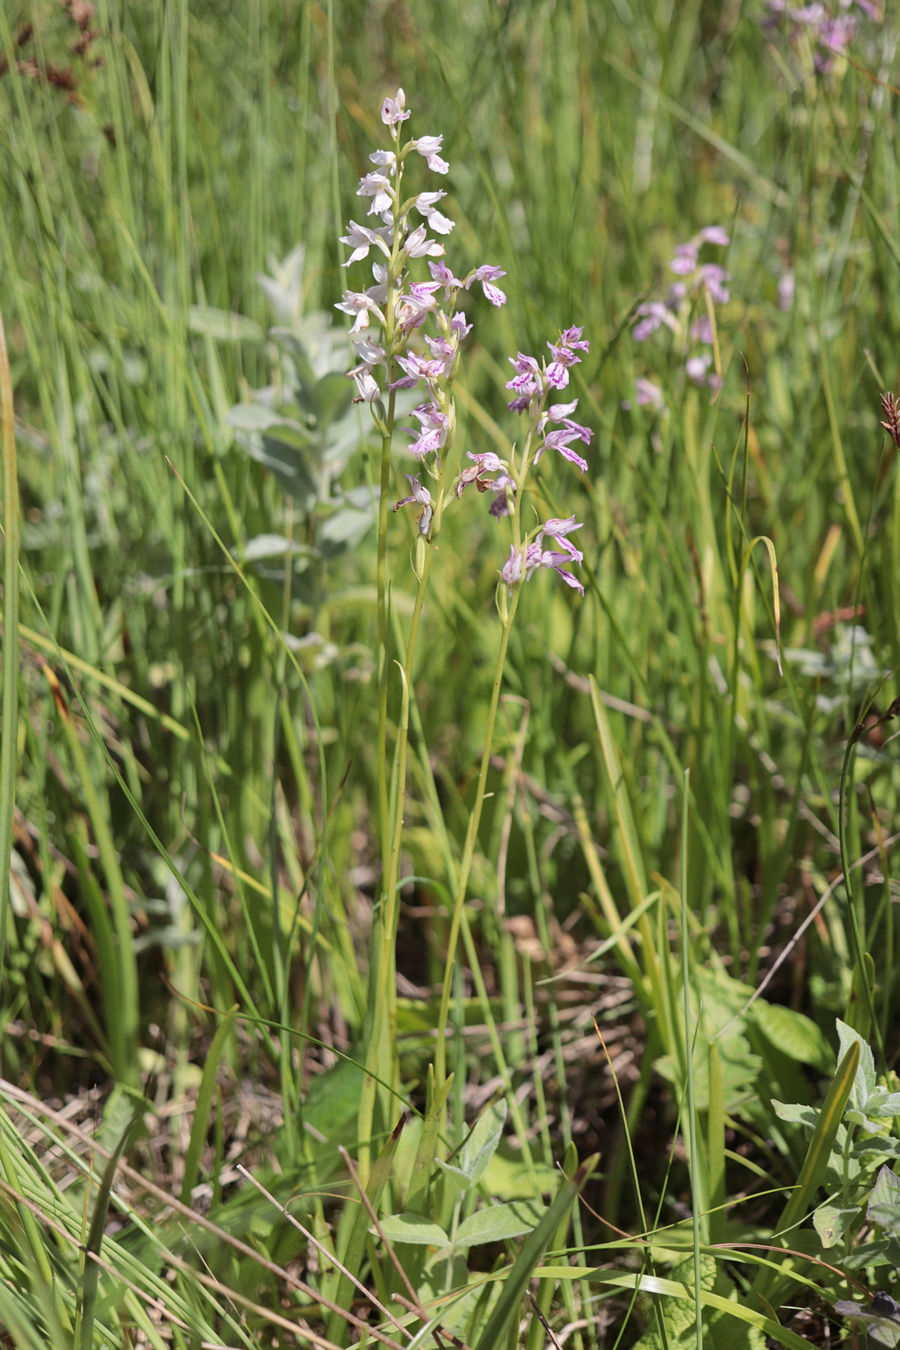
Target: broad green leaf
{"type": "Point", "coordinates": [803, 1115]}
{"type": "Point", "coordinates": [340, 442]}
{"type": "Point", "coordinates": [832, 1221]}
{"type": "Point", "coordinates": [290, 342]}
{"type": "Point", "coordinates": [345, 528]}
{"type": "Point", "coordinates": [332, 396]}
{"type": "Point", "coordinates": [482, 1141]}
{"type": "Point", "coordinates": [413, 1228]}
{"type": "Point", "coordinates": [882, 1103]}
{"type": "Point", "coordinates": [287, 464]}
{"type": "Point", "coordinates": [270, 546]}
{"type": "Point", "coordinates": [510, 1179]}
{"type": "Point", "coordinates": [794, 1035]}
{"type": "Point", "coordinates": [886, 1190]}
{"type": "Point", "coordinates": [257, 417]}
{"type": "Point", "coordinates": [223, 325]}
{"type": "Point", "coordinates": [864, 1084]}
{"type": "Point", "coordinates": [877, 1143]}
{"type": "Point", "coordinates": [886, 1214]}
{"type": "Point", "coordinates": [499, 1222]}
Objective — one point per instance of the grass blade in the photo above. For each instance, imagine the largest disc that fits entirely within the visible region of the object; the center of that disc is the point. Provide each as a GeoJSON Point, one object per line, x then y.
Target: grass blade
{"type": "Point", "coordinates": [514, 1284]}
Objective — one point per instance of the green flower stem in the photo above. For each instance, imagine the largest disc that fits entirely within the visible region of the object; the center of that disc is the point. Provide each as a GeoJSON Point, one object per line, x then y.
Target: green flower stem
{"type": "Point", "coordinates": [382, 1065]}
{"type": "Point", "coordinates": [381, 1059]}
{"type": "Point", "coordinates": [383, 628]}
{"type": "Point", "coordinates": [440, 1061]}
{"type": "Point", "coordinates": [508, 614]}
{"type": "Point", "coordinates": [393, 858]}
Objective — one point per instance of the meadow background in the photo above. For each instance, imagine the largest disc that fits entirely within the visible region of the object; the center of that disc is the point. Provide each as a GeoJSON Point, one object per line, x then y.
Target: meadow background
{"type": "Point", "coordinates": [681, 775]}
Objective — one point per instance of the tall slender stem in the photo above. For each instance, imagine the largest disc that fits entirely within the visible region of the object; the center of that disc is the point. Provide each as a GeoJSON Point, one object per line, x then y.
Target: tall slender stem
{"type": "Point", "coordinates": [383, 629]}
{"type": "Point", "coordinates": [440, 1062]}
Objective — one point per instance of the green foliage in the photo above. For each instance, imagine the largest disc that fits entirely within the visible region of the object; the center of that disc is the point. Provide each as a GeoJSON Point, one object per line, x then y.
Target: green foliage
{"type": "Point", "coordinates": [679, 1316]}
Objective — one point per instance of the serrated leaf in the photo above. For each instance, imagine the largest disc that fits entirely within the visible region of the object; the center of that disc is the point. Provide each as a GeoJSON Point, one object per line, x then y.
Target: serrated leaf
{"type": "Point", "coordinates": [413, 1228]}
{"type": "Point", "coordinates": [499, 1222]}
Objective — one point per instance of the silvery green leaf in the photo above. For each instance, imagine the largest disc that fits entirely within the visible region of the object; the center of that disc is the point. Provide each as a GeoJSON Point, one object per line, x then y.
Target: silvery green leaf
{"type": "Point", "coordinates": [880, 1144]}
{"type": "Point", "coordinates": [482, 1142]}
{"type": "Point", "coordinates": [414, 1228]}
{"type": "Point", "coordinates": [258, 417]}
{"type": "Point", "coordinates": [452, 1171]}
{"type": "Point", "coordinates": [286, 462]}
{"type": "Point", "coordinates": [333, 394]}
{"type": "Point", "coordinates": [804, 1115]}
{"type": "Point", "coordinates": [499, 1222]}
{"type": "Point", "coordinates": [223, 325]}
{"type": "Point", "coordinates": [884, 1202]}
{"type": "Point", "coordinates": [865, 1074]}
{"type": "Point", "coordinates": [345, 528]}
{"type": "Point", "coordinates": [883, 1103]}
{"type": "Point", "coordinates": [269, 546]}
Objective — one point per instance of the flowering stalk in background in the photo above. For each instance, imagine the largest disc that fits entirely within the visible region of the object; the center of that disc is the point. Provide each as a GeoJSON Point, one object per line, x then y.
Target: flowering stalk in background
{"type": "Point", "coordinates": [830, 29]}
{"type": "Point", "coordinates": [550, 426]}
{"type": "Point", "coordinates": [407, 335]}
{"type": "Point", "coordinates": [698, 284]}
{"type": "Point", "coordinates": [890, 406]}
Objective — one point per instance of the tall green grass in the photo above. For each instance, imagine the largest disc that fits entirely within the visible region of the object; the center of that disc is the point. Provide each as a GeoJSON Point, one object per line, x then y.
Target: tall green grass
{"type": "Point", "coordinates": [194, 834]}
